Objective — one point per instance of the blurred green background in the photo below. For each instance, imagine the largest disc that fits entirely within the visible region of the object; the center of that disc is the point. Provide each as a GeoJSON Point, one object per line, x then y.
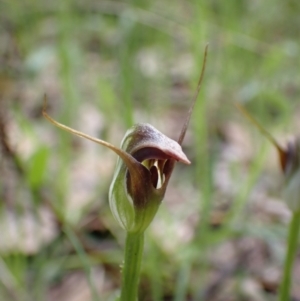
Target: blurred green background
{"type": "Point", "coordinates": [104, 65]}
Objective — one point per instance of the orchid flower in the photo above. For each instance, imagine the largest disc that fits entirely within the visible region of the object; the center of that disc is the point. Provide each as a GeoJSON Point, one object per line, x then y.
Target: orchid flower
{"type": "Point", "coordinates": [289, 158]}
{"type": "Point", "coordinates": [145, 163]}
{"type": "Point", "coordinates": [144, 167]}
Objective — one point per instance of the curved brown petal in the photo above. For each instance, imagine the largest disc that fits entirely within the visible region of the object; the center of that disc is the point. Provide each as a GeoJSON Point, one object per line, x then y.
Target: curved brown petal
{"type": "Point", "coordinates": [131, 163]}
{"type": "Point", "coordinates": [143, 142]}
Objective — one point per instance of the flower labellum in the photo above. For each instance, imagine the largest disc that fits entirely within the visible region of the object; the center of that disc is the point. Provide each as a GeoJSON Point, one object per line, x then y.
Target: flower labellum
{"type": "Point", "coordinates": [289, 161]}
{"type": "Point", "coordinates": [144, 167]}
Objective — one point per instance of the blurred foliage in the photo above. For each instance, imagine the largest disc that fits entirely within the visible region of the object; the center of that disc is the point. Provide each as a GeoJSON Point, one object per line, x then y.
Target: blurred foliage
{"type": "Point", "coordinates": [105, 65]}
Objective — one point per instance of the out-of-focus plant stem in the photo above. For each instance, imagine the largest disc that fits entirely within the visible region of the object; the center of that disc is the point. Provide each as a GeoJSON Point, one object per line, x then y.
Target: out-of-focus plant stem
{"type": "Point", "coordinates": [284, 293]}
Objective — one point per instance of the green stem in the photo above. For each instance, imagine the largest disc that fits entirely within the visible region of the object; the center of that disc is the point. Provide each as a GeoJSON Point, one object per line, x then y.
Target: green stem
{"type": "Point", "coordinates": [294, 227]}
{"type": "Point", "coordinates": [132, 266]}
